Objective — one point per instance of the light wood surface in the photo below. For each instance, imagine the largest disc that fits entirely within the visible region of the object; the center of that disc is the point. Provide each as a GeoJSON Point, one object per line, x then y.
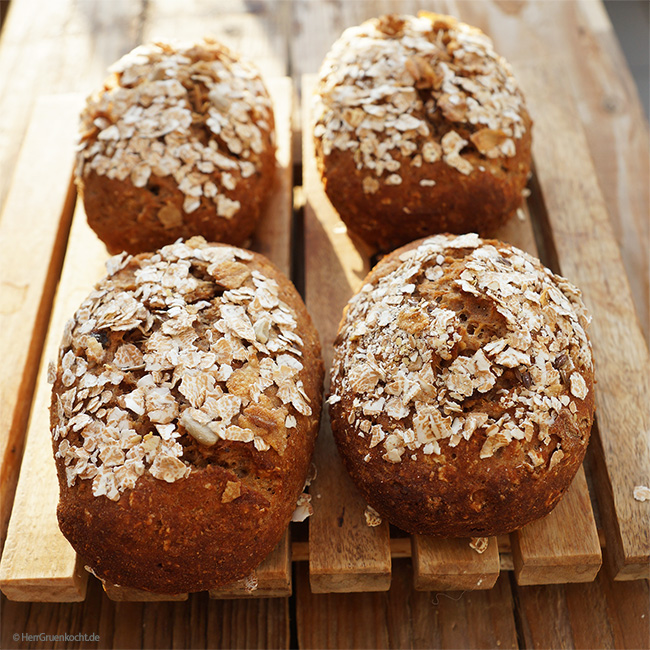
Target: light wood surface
{"type": "Point", "coordinates": [587, 254]}
{"type": "Point", "coordinates": [452, 564]}
{"type": "Point", "coordinates": [36, 553]}
{"type": "Point", "coordinates": [31, 228]}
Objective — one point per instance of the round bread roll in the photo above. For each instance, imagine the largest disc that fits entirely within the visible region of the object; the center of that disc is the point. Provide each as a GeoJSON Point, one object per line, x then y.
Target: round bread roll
{"type": "Point", "coordinates": [420, 128]}
{"type": "Point", "coordinates": [180, 141]}
{"type": "Point", "coordinates": [462, 387]}
{"type": "Point", "coordinates": [185, 406]}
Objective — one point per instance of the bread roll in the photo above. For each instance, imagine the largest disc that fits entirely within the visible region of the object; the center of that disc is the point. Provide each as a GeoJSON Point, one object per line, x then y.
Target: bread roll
{"type": "Point", "coordinates": [420, 127]}
{"type": "Point", "coordinates": [185, 406]}
{"type": "Point", "coordinates": [462, 387]}
{"type": "Point", "coordinates": [178, 142]}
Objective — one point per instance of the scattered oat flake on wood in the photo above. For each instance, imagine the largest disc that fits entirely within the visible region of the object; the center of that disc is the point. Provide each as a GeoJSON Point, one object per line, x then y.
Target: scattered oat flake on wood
{"type": "Point", "coordinates": [303, 509]}
{"type": "Point", "coordinates": [373, 518]}
{"type": "Point", "coordinates": [479, 544]}
{"type": "Point", "coordinates": [642, 493]}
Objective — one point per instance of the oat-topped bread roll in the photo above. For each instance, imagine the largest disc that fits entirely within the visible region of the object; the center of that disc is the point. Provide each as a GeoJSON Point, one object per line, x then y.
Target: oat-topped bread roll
{"type": "Point", "coordinates": [462, 387]}
{"type": "Point", "coordinates": [420, 128]}
{"type": "Point", "coordinates": [185, 407]}
{"type": "Point", "coordinates": [178, 142]}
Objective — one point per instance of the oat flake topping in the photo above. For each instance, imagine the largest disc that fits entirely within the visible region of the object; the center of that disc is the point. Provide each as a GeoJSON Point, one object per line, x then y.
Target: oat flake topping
{"type": "Point", "coordinates": [191, 111]}
{"type": "Point", "coordinates": [412, 387]}
{"type": "Point", "coordinates": [423, 89]}
{"type": "Point", "coordinates": [188, 342]}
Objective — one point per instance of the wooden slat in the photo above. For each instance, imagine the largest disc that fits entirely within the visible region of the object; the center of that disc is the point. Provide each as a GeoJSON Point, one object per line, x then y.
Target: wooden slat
{"type": "Point", "coordinates": [562, 547]}
{"type": "Point", "coordinates": [38, 563]}
{"type": "Point", "coordinates": [273, 234]}
{"type": "Point", "coordinates": [61, 46]}
{"type": "Point", "coordinates": [257, 30]}
{"type": "Point", "coordinates": [43, 210]}
{"type": "Point", "coordinates": [128, 594]}
{"type": "Point", "coordinates": [452, 564]}
{"type": "Point", "coordinates": [344, 553]}
{"type": "Point", "coordinates": [33, 227]}
{"type": "Point", "coordinates": [588, 255]}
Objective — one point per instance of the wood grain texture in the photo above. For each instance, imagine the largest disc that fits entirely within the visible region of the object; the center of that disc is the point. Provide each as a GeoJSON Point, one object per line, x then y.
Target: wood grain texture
{"type": "Point", "coordinates": [562, 547]}
{"type": "Point", "coordinates": [589, 256]}
{"type": "Point", "coordinates": [199, 622]}
{"type": "Point", "coordinates": [403, 617]}
{"type": "Point", "coordinates": [33, 226]}
{"type": "Point", "coordinates": [600, 614]}
{"type": "Point", "coordinates": [452, 564]}
{"type": "Point", "coordinates": [128, 594]}
{"type": "Point", "coordinates": [36, 552]}
{"type": "Point", "coordinates": [272, 236]}
{"type": "Point", "coordinates": [59, 47]}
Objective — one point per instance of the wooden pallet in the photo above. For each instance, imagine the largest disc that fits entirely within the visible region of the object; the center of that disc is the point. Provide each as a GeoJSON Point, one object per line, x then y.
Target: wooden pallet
{"type": "Point", "coordinates": [343, 553]}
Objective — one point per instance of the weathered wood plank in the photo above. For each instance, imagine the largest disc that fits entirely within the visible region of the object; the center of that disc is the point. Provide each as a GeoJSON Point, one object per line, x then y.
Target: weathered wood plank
{"type": "Point", "coordinates": [599, 614]}
{"type": "Point", "coordinates": [61, 46]}
{"type": "Point", "coordinates": [345, 554]}
{"type": "Point", "coordinates": [34, 226]}
{"type": "Point", "coordinates": [403, 617]}
{"type": "Point", "coordinates": [36, 553]}
{"type": "Point", "coordinates": [588, 255]}
{"type": "Point", "coordinates": [564, 546]}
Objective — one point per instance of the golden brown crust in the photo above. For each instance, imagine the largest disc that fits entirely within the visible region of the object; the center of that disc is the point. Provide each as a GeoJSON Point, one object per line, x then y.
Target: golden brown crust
{"type": "Point", "coordinates": [185, 407]}
{"type": "Point", "coordinates": [420, 128]}
{"type": "Point", "coordinates": [179, 142]}
{"type": "Point", "coordinates": [462, 387]}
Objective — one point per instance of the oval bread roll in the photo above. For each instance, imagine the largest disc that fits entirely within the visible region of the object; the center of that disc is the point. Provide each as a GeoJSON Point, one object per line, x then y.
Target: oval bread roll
{"type": "Point", "coordinates": [185, 407]}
